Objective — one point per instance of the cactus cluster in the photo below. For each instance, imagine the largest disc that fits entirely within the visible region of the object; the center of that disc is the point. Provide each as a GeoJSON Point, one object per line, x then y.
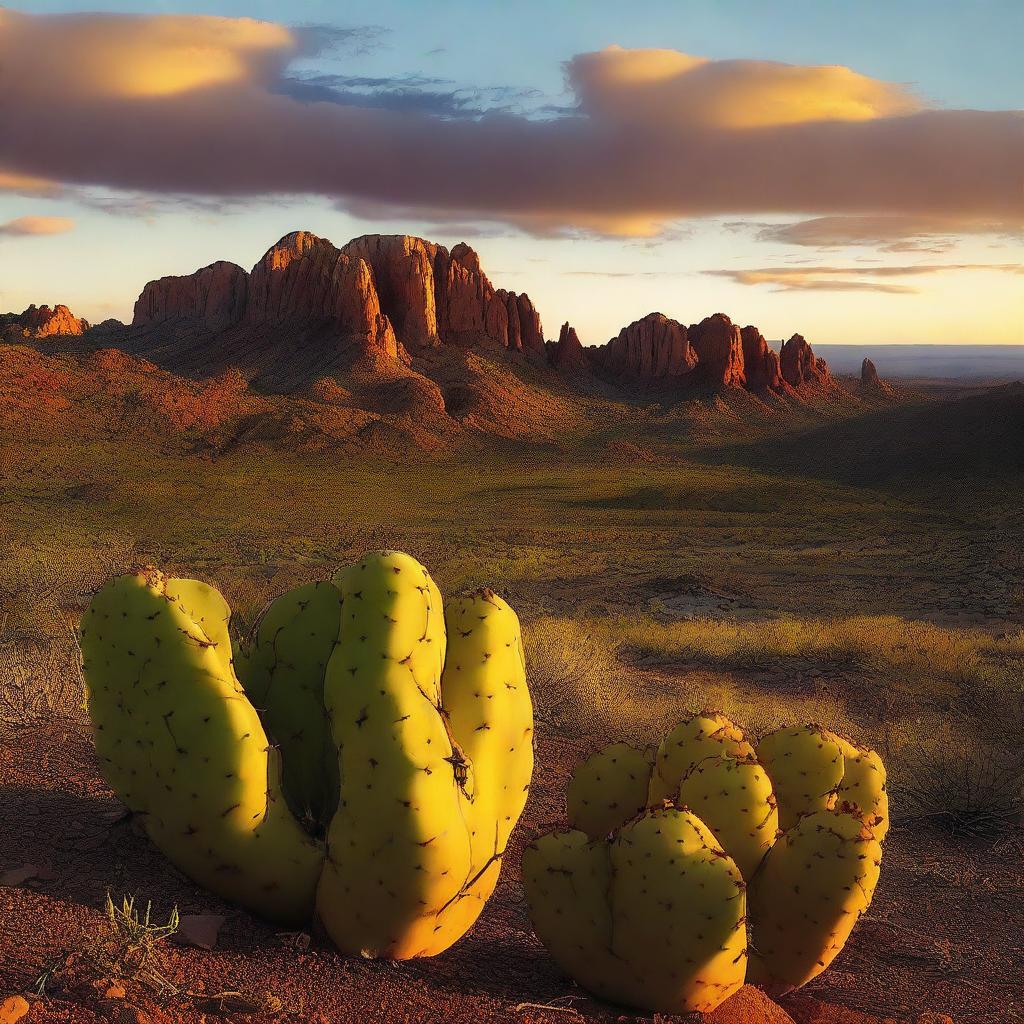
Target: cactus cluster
{"type": "Point", "coordinates": [708, 862]}
{"type": "Point", "coordinates": [363, 760]}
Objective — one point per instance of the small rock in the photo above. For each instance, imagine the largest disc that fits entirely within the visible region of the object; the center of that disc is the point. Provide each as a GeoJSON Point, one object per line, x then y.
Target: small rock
{"type": "Point", "coordinates": [115, 991]}
{"type": "Point", "coordinates": [12, 1009]}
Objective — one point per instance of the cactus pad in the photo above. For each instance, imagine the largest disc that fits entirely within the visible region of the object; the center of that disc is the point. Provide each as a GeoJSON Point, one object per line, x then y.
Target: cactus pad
{"type": "Point", "coordinates": [709, 734]}
{"type": "Point", "coordinates": [815, 884]}
{"type": "Point", "coordinates": [806, 766]}
{"type": "Point", "coordinates": [608, 789]}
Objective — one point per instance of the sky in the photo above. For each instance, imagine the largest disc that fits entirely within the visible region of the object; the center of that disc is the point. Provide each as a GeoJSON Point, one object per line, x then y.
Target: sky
{"type": "Point", "coordinates": [850, 171]}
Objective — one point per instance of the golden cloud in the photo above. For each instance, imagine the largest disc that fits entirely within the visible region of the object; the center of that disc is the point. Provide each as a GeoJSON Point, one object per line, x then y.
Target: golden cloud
{"type": "Point", "coordinates": [200, 106]}
{"type": "Point", "coordinates": [812, 278]}
{"type": "Point", "coordinates": [37, 226]}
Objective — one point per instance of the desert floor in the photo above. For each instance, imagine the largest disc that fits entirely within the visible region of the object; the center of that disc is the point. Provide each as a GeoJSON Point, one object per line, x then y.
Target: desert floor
{"type": "Point", "coordinates": [787, 579]}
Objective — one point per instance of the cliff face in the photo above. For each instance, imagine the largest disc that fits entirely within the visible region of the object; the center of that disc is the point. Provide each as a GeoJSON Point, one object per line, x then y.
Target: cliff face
{"type": "Point", "coordinates": [214, 296]}
{"type": "Point", "coordinates": [382, 290]}
{"type": "Point", "coordinates": [435, 297]}
{"type": "Point", "coordinates": [39, 322]}
{"type": "Point", "coordinates": [652, 347]}
{"type": "Point", "coordinates": [761, 364]}
{"type": "Point", "coordinates": [717, 342]}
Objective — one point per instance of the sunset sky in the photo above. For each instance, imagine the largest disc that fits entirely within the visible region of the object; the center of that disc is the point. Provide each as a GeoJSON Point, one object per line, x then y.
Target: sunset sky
{"type": "Point", "coordinates": [851, 171]}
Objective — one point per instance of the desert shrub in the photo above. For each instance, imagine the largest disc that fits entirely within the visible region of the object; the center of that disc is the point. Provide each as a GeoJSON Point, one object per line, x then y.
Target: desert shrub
{"type": "Point", "coordinates": [40, 679]}
{"type": "Point", "coordinates": [968, 788]}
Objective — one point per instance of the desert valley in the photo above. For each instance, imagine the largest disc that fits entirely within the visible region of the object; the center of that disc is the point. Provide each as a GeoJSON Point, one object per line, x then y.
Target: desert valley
{"type": "Point", "coordinates": [685, 517]}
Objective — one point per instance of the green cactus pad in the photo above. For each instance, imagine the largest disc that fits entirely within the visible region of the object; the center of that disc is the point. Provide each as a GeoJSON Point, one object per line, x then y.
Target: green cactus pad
{"type": "Point", "coordinates": [283, 675]}
{"type": "Point", "coordinates": [608, 789]}
{"type": "Point", "coordinates": [182, 746]}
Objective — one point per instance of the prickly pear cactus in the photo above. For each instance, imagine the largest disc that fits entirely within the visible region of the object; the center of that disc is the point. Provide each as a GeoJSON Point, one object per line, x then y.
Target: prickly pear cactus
{"type": "Point", "coordinates": [709, 734]}
{"type": "Point", "coordinates": [806, 765]}
{"type": "Point", "coordinates": [183, 747]}
{"type": "Point", "coordinates": [815, 884]}
{"type": "Point", "coordinates": [655, 914]}
{"type": "Point", "coordinates": [608, 789]}
{"type": "Point", "coordinates": [414, 753]}
{"type": "Point", "coordinates": [653, 919]}
{"type": "Point", "coordinates": [282, 672]}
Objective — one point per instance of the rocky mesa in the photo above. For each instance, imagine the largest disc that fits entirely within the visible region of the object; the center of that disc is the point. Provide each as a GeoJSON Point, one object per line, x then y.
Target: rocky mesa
{"type": "Point", "coordinates": [309, 308]}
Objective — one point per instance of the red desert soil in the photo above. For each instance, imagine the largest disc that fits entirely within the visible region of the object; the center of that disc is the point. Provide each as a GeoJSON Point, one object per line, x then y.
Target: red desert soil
{"type": "Point", "coordinates": [944, 933]}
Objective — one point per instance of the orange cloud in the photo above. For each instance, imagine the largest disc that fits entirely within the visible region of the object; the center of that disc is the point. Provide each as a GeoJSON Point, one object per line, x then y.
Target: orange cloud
{"type": "Point", "coordinates": [22, 226]}
{"type": "Point", "coordinates": [811, 278]}
{"type": "Point", "coordinates": [893, 232]}
{"type": "Point", "coordinates": [200, 106]}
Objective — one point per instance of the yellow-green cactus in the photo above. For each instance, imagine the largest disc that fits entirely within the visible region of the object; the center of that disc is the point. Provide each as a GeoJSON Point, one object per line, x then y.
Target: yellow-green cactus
{"type": "Point", "coordinates": [734, 798]}
{"type": "Point", "coordinates": [806, 766]}
{"type": "Point", "coordinates": [423, 779]}
{"type": "Point", "coordinates": [814, 885]}
{"type": "Point", "coordinates": [863, 786]}
{"type": "Point", "coordinates": [709, 734]}
{"type": "Point", "coordinates": [182, 746]}
{"type": "Point", "coordinates": [608, 789]}
{"type": "Point", "coordinates": [654, 919]}
{"type": "Point", "coordinates": [282, 672]}
{"type": "Point", "coordinates": [654, 915]}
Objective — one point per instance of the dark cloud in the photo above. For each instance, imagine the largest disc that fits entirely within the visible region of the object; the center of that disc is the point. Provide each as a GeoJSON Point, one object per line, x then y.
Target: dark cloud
{"type": "Point", "coordinates": [183, 104]}
{"type": "Point", "coordinates": [358, 40]}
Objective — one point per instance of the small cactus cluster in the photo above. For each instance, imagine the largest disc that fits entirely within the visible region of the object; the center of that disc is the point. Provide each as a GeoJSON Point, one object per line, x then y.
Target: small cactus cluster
{"type": "Point", "coordinates": [709, 861]}
{"type": "Point", "coordinates": [362, 760]}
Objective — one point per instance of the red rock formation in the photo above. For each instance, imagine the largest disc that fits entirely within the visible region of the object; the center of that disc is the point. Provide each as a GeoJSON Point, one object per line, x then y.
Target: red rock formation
{"type": "Point", "coordinates": [871, 385]}
{"type": "Point", "coordinates": [436, 297]}
{"type": "Point", "coordinates": [652, 347]}
{"type": "Point", "coordinates": [42, 322]}
{"type": "Point", "coordinates": [719, 347]}
{"type": "Point", "coordinates": [567, 353]}
{"type": "Point", "coordinates": [304, 278]}
{"type": "Point", "coordinates": [761, 365]}
{"type": "Point", "coordinates": [214, 296]}
{"type": "Point", "coordinates": [800, 365]}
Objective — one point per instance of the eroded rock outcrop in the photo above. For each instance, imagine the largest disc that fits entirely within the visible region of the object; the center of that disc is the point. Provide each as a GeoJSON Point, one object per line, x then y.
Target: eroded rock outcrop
{"type": "Point", "coordinates": [761, 364]}
{"type": "Point", "coordinates": [39, 322]}
{"type": "Point", "coordinates": [718, 344]}
{"type": "Point", "coordinates": [214, 296]}
{"type": "Point", "coordinates": [567, 353]}
{"type": "Point", "coordinates": [871, 385]}
{"type": "Point", "coordinates": [435, 297]}
{"type": "Point", "coordinates": [653, 347]}
{"type": "Point", "coordinates": [305, 277]}
{"type": "Point", "coordinates": [800, 365]}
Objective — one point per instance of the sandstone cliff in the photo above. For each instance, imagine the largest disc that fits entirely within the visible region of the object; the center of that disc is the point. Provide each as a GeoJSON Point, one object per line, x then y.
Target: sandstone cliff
{"type": "Point", "coordinates": [718, 344]}
{"type": "Point", "coordinates": [567, 353]}
{"type": "Point", "coordinates": [38, 322]}
{"type": "Point", "coordinates": [652, 347]}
